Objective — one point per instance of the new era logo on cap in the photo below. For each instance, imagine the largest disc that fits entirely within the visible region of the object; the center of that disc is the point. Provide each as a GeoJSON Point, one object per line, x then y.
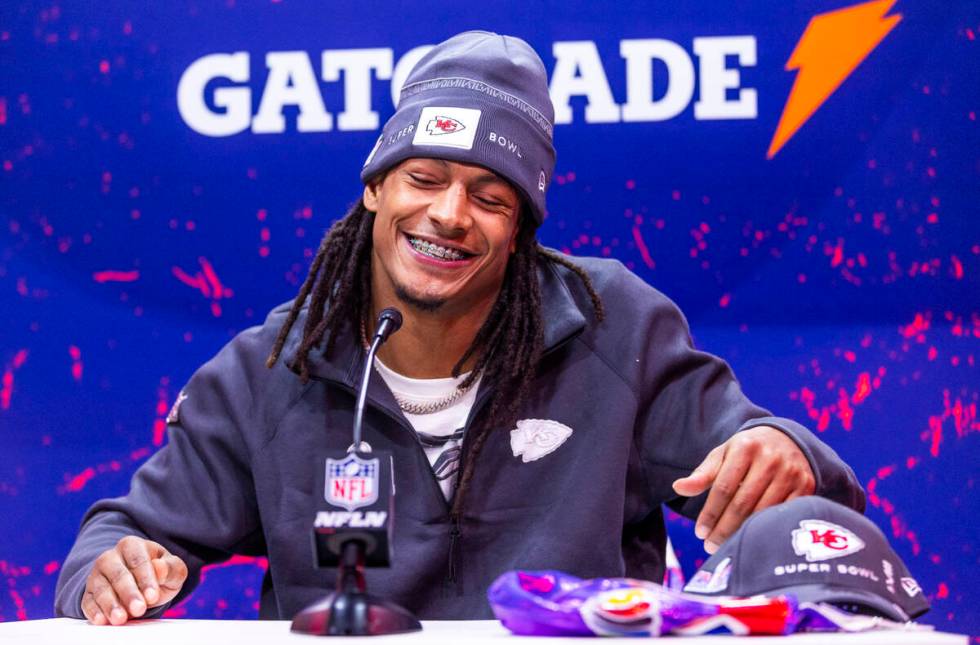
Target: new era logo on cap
{"type": "Point", "coordinates": [452, 127]}
{"type": "Point", "coordinates": [819, 540]}
{"type": "Point", "coordinates": [911, 587]}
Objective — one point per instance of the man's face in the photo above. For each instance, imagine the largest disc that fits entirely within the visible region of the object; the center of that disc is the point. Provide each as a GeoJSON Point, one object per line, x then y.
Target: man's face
{"type": "Point", "coordinates": [443, 233]}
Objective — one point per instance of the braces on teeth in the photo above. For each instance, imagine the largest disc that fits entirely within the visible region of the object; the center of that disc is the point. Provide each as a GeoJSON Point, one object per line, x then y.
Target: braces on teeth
{"type": "Point", "coordinates": [435, 250]}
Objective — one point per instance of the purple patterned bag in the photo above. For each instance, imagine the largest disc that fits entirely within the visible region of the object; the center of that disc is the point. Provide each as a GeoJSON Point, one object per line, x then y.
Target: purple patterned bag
{"type": "Point", "coordinates": [552, 603]}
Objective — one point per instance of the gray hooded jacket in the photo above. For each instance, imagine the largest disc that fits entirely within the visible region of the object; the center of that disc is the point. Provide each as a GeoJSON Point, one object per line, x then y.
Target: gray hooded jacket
{"type": "Point", "coordinates": [237, 473]}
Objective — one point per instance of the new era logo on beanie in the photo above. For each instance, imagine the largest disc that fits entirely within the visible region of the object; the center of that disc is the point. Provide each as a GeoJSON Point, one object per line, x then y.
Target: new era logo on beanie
{"type": "Point", "coordinates": [819, 551]}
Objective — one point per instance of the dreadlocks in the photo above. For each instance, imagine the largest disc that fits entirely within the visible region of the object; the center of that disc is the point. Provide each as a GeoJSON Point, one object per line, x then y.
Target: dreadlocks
{"type": "Point", "coordinates": [507, 346]}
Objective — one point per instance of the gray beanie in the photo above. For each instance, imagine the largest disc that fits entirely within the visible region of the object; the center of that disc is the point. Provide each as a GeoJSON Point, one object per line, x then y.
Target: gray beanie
{"type": "Point", "coordinates": [479, 98]}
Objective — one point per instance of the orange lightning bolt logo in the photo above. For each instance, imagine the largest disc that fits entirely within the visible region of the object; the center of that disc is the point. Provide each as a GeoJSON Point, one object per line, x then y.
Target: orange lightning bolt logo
{"type": "Point", "coordinates": [832, 46]}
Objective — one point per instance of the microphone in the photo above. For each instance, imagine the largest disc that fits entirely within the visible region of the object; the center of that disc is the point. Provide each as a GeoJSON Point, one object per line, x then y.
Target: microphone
{"type": "Point", "coordinates": [389, 321]}
{"type": "Point", "coordinates": [354, 523]}
{"type": "Point", "coordinates": [360, 482]}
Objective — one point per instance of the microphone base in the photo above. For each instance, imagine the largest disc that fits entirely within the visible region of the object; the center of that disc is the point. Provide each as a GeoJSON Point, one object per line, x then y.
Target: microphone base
{"type": "Point", "coordinates": [354, 613]}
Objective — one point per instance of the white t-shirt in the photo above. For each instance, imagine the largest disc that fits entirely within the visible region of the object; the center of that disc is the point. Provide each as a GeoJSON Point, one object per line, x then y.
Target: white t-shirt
{"type": "Point", "coordinates": [441, 432]}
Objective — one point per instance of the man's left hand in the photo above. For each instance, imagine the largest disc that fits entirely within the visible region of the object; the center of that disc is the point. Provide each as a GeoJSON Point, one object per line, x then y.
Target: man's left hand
{"type": "Point", "coordinates": [755, 469]}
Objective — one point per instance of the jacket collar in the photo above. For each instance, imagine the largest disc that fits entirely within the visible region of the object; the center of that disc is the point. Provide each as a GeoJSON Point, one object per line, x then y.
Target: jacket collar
{"type": "Point", "coordinates": [562, 317]}
{"type": "Point", "coordinates": [343, 364]}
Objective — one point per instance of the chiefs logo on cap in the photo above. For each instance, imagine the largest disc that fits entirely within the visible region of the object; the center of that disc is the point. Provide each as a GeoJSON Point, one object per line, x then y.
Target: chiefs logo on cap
{"type": "Point", "coordinates": [447, 126]}
{"type": "Point", "coordinates": [819, 540]}
{"type": "Point", "coordinates": [444, 125]}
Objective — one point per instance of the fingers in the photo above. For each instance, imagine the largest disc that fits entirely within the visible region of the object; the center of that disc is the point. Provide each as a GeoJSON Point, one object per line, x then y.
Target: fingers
{"type": "Point", "coordinates": [750, 491]}
{"type": "Point", "coordinates": [702, 477]}
{"type": "Point", "coordinates": [792, 477]}
{"type": "Point", "coordinates": [762, 467]}
{"type": "Point", "coordinates": [129, 579]}
{"type": "Point", "coordinates": [726, 484]}
{"type": "Point", "coordinates": [114, 569]}
{"type": "Point", "coordinates": [171, 572]}
{"type": "Point", "coordinates": [136, 555]}
{"type": "Point", "coordinates": [100, 594]}
{"type": "Point", "coordinates": [91, 609]}
{"type": "Point", "coordinates": [780, 490]}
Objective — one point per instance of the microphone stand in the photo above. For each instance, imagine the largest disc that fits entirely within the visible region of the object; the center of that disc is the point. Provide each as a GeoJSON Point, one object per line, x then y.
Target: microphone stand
{"type": "Point", "coordinates": [387, 325]}
{"type": "Point", "coordinates": [350, 610]}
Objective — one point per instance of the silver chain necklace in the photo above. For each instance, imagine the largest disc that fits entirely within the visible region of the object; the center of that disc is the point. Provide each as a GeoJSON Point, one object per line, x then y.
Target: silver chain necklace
{"type": "Point", "coordinates": [414, 407]}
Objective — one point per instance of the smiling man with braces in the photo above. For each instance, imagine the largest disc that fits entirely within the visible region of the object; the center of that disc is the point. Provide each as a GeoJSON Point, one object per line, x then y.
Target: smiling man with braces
{"type": "Point", "coordinates": [540, 409]}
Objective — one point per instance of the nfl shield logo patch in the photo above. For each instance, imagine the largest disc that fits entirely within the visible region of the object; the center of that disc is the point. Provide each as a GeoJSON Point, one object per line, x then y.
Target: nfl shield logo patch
{"type": "Point", "coordinates": [351, 482]}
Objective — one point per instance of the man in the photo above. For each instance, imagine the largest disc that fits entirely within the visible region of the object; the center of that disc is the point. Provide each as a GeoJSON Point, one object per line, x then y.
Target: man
{"type": "Point", "coordinates": [540, 409]}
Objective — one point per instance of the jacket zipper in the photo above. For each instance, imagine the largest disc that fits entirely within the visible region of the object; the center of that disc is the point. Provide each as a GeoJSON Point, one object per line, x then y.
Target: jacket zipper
{"type": "Point", "coordinates": [455, 529]}
{"type": "Point", "coordinates": [455, 523]}
{"type": "Point", "coordinates": [454, 549]}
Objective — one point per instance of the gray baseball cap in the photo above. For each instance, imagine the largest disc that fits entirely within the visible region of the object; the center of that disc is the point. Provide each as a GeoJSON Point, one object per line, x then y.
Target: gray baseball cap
{"type": "Point", "coordinates": [480, 98]}
{"type": "Point", "coordinates": [819, 551]}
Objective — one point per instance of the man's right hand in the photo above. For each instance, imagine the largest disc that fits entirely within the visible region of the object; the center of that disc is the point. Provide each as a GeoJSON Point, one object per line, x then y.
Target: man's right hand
{"type": "Point", "coordinates": [130, 578]}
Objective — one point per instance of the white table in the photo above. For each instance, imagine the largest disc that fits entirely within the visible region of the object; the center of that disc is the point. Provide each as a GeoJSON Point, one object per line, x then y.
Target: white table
{"type": "Point", "coordinates": [67, 631]}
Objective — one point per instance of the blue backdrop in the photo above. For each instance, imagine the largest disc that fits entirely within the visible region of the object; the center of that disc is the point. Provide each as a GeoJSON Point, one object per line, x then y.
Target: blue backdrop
{"type": "Point", "coordinates": [802, 177]}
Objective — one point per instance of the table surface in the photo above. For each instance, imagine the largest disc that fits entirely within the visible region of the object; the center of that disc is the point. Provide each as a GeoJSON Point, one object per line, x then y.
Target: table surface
{"type": "Point", "coordinates": [256, 632]}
